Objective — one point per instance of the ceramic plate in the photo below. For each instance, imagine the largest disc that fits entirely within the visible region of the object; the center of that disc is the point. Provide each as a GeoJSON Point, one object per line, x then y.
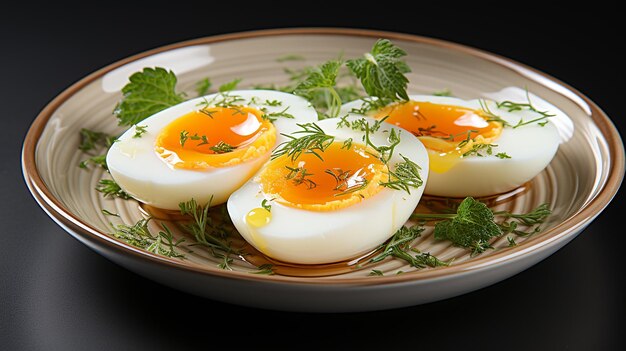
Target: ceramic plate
{"type": "Point", "coordinates": [579, 182]}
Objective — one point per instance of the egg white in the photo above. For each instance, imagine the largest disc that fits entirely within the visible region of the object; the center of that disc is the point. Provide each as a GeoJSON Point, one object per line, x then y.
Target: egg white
{"type": "Point", "coordinates": [531, 148]}
{"type": "Point", "coordinates": [312, 237]}
{"type": "Point", "coordinates": [139, 171]}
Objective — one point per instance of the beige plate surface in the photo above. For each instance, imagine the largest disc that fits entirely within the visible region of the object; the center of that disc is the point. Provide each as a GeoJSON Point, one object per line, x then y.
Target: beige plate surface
{"type": "Point", "coordinates": [581, 180]}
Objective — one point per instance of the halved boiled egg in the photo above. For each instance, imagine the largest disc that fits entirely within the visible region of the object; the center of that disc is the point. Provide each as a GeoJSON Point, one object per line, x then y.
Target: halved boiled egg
{"type": "Point", "coordinates": [341, 195]}
{"type": "Point", "coordinates": [475, 148]}
{"type": "Point", "coordinates": [204, 148]}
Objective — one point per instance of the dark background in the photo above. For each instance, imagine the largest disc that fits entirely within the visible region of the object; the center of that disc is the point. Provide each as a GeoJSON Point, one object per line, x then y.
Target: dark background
{"type": "Point", "coordinates": [56, 294]}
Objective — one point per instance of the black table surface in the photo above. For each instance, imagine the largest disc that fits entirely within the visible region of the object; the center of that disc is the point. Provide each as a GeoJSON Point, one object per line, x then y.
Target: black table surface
{"type": "Point", "coordinates": [57, 294]}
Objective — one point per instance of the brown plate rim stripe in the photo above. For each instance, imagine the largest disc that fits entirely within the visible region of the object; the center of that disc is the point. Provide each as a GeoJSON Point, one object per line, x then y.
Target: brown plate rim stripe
{"type": "Point", "coordinates": [577, 221]}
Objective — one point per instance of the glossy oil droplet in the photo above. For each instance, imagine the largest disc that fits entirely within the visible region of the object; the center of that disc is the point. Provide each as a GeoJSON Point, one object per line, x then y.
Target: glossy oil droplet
{"type": "Point", "coordinates": [258, 217]}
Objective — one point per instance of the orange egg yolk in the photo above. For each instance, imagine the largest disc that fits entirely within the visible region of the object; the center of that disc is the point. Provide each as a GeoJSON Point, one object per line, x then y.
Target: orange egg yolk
{"type": "Point", "coordinates": [342, 177]}
{"type": "Point", "coordinates": [215, 137]}
{"type": "Point", "coordinates": [446, 131]}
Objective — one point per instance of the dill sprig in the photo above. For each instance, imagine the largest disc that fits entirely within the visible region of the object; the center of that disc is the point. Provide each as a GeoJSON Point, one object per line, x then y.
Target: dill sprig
{"type": "Point", "coordinates": [385, 152]}
{"type": "Point", "coordinates": [222, 99]}
{"type": "Point", "coordinates": [109, 188]}
{"type": "Point", "coordinates": [139, 131]}
{"type": "Point", "coordinates": [184, 136]}
{"type": "Point", "coordinates": [478, 148]}
{"type": "Point", "coordinates": [312, 141]}
{"type": "Point", "coordinates": [528, 105]}
{"type": "Point", "coordinates": [98, 160]}
{"type": "Point", "coordinates": [208, 232]}
{"type": "Point", "coordinates": [202, 227]}
{"type": "Point", "coordinates": [272, 116]}
{"type": "Point", "coordinates": [139, 235]}
{"type": "Point", "coordinates": [399, 245]}
{"type": "Point", "coordinates": [90, 141]}
{"type": "Point", "coordinates": [512, 106]}
{"type": "Point", "coordinates": [267, 269]}
{"type": "Point", "coordinates": [298, 175]}
{"type": "Point", "coordinates": [346, 182]}
{"type": "Point", "coordinates": [221, 148]}
{"type": "Point", "coordinates": [404, 177]}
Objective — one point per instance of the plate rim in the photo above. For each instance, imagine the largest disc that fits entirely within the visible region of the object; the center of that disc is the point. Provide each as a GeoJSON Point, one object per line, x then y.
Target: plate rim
{"type": "Point", "coordinates": [561, 231]}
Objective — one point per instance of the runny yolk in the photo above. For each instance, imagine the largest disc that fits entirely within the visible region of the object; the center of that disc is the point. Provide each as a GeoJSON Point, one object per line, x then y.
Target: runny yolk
{"type": "Point", "coordinates": [215, 137]}
{"type": "Point", "coordinates": [342, 177]}
{"type": "Point", "coordinates": [447, 131]}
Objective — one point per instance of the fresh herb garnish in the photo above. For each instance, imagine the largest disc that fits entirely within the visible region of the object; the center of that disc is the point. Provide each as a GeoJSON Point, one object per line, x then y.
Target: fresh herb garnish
{"type": "Point", "coordinates": [298, 175]}
{"type": "Point", "coordinates": [290, 57]}
{"type": "Point", "coordinates": [444, 92]}
{"type": "Point", "coordinates": [204, 229]}
{"type": "Point", "coordinates": [323, 79]}
{"type": "Point", "coordinates": [385, 152]}
{"type": "Point", "coordinates": [533, 218]}
{"type": "Point", "coordinates": [222, 99]}
{"type": "Point", "coordinates": [346, 182]}
{"type": "Point", "coordinates": [139, 131]}
{"type": "Point", "coordinates": [381, 72]}
{"type": "Point", "coordinates": [399, 245]}
{"type": "Point", "coordinates": [109, 213]}
{"type": "Point", "coordinates": [184, 136]}
{"type": "Point", "coordinates": [221, 148]}
{"type": "Point", "coordinates": [109, 188]}
{"type": "Point", "coordinates": [266, 205]}
{"type": "Point", "coordinates": [477, 149]}
{"type": "Point", "coordinates": [232, 85]}
{"type": "Point", "coordinates": [98, 160]}
{"type": "Point", "coordinates": [516, 106]}
{"type": "Point", "coordinates": [376, 272]}
{"type": "Point", "coordinates": [91, 140]}
{"type": "Point", "coordinates": [405, 176]}
{"type": "Point", "coordinates": [139, 235]}
{"type": "Point", "coordinates": [272, 116]}
{"type": "Point", "coordinates": [265, 269]}
{"type": "Point", "coordinates": [473, 225]}
{"type": "Point", "coordinates": [502, 155]}
{"type": "Point", "coordinates": [511, 241]}
{"type": "Point", "coordinates": [273, 103]}
{"type": "Point", "coordinates": [203, 86]}
{"type": "Point", "coordinates": [512, 106]}
{"type": "Point", "coordinates": [148, 92]}
{"type": "Point", "coordinates": [312, 141]}
{"type": "Point", "coordinates": [347, 144]}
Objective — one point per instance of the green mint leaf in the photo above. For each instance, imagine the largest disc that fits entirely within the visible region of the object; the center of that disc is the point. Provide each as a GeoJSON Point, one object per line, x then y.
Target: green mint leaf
{"type": "Point", "coordinates": [148, 92]}
{"type": "Point", "coordinates": [472, 224]}
{"type": "Point", "coordinates": [382, 70]}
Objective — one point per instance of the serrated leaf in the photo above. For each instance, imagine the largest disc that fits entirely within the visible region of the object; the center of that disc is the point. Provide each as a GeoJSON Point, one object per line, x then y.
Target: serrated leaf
{"type": "Point", "coordinates": [382, 70]}
{"type": "Point", "coordinates": [148, 92]}
{"type": "Point", "coordinates": [473, 223]}
{"type": "Point", "coordinates": [323, 76]}
{"type": "Point", "coordinates": [320, 84]}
